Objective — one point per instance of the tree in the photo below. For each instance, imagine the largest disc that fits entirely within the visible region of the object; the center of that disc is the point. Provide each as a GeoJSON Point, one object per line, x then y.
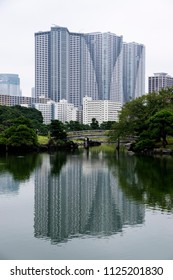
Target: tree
{"type": "Point", "coordinates": [20, 135]}
{"type": "Point", "coordinates": [160, 124]}
{"type": "Point", "coordinates": [94, 124]}
{"type": "Point", "coordinates": [74, 126]}
{"type": "Point", "coordinates": [107, 125]}
{"type": "Point", "coordinates": [57, 130]}
{"type": "Point", "coordinates": [9, 114]}
{"type": "Point", "coordinates": [21, 120]}
{"type": "Point", "coordinates": [145, 119]}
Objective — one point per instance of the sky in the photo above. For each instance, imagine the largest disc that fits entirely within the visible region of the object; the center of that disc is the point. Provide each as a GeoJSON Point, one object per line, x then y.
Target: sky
{"type": "Point", "coordinates": [148, 22]}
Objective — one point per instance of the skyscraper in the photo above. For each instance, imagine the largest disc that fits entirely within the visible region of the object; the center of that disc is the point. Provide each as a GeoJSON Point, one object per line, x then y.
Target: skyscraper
{"type": "Point", "coordinates": [133, 71]}
{"type": "Point", "coordinates": [72, 65]}
{"type": "Point", "coordinates": [42, 64]}
{"type": "Point", "coordinates": [159, 81]}
{"type": "Point", "coordinates": [10, 84]}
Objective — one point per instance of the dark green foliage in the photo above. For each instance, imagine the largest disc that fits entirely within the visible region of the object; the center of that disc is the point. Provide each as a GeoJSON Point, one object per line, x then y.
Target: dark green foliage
{"type": "Point", "coordinates": [107, 125]}
{"type": "Point", "coordinates": [9, 114]}
{"type": "Point", "coordinates": [148, 118]}
{"type": "Point", "coordinates": [43, 129]}
{"type": "Point", "coordinates": [18, 127]}
{"type": "Point", "coordinates": [33, 114]}
{"type": "Point", "coordinates": [20, 135]}
{"type": "Point", "coordinates": [94, 124]}
{"type": "Point", "coordinates": [143, 144]}
{"type": "Point", "coordinates": [161, 123]}
{"type": "Point", "coordinates": [74, 126]}
{"type": "Point", "coordinates": [57, 130]}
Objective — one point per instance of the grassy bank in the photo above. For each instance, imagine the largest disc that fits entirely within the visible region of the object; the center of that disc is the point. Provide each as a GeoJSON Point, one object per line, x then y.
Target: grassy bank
{"type": "Point", "coordinates": [42, 140]}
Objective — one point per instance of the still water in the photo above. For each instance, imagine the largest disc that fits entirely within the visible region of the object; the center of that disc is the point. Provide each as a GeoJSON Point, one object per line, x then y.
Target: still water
{"type": "Point", "coordinates": [86, 205]}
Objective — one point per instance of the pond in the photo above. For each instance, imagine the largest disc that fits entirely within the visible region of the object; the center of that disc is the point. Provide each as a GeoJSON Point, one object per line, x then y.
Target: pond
{"type": "Point", "coordinates": [89, 204]}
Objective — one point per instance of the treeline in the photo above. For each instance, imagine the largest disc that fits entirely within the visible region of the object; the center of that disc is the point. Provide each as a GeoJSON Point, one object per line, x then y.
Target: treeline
{"type": "Point", "coordinates": [20, 127]}
{"type": "Point", "coordinates": [148, 119]}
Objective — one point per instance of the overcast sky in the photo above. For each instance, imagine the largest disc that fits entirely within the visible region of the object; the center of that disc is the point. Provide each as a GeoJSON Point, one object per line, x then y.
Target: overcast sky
{"type": "Point", "coordinates": [149, 22]}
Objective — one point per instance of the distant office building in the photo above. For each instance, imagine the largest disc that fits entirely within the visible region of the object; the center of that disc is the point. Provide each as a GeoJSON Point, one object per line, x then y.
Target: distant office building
{"type": "Point", "coordinates": [133, 71]}
{"type": "Point", "coordinates": [12, 100]}
{"type": "Point", "coordinates": [159, 81]}
{"type": "Point", "coordinates": [101, 110]}
{"type": "Point", "coordinates": [10, 84]}
{"type": "Point", "coordinates": [72, 65]}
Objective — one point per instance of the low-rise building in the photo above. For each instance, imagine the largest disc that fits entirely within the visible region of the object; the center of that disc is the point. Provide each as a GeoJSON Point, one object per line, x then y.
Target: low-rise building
{"type": "Point", "coordinates": [101, 110]}
{"type": "Point", "coordinates": [159, 81]}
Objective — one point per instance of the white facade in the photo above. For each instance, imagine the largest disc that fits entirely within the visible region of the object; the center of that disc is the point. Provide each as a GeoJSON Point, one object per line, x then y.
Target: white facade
{"type": "Point", "coordinates": [46, 110]}
{"type": "Point", "coordinates": [64, 111]}
{"type": "Point", "coordinates": [101, 110]}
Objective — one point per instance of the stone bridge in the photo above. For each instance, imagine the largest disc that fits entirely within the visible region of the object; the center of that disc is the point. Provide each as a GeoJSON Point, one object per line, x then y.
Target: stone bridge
{"type": "Point", "coordinates": [100, 135]}
{"type": "Point", "coordinates": [91, 134]}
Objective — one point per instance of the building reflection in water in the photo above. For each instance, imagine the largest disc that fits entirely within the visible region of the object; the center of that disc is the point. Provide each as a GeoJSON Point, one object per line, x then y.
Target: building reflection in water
{"type": "Point", "coordinates": [83, 199]}
{"type": "Point", "coordinates": [8, 185]}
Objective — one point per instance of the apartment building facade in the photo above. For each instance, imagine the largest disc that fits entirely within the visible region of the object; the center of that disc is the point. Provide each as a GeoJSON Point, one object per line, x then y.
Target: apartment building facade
{"type": "Point", "coordinates": [72, 65]}
{"type": "Point", "coordinates": [101, 110]}
{"type": "Point", "coordinates": [159, 81]}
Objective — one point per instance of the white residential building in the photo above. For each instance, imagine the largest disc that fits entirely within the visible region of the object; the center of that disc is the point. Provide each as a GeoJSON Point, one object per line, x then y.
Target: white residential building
{"type": "Point", "coordinates": [64, 111]}
{"type": "Point", "coordinates": [101, 110]}
{"type": "Point", "coordinates": [46, 109]}
{"type": "Point", "coordinates": [61, 110]}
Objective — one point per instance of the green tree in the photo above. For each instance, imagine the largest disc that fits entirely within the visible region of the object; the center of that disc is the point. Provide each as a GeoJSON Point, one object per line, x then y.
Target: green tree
{"type": "Point", "coordinates": [160, 124]}
{"type": "Point", "coordinates": [57, 130]}
{"type": "Point", "coordinates": [107, 125]}
{"type": "Point", "coordinates": [20, 135]}
{"type": "Point", "coordinates": [94, 124]}
{"type": "Point", "coordinates": [21, 120]}
{"type": "Point", "coordinates": [43, 129]}
{"type": "Point", "coordinates": [73, 126]}
{"type": "Point", "coordinates": [9, 114]}
{"type": "Point", "coordinates": [139, 118]}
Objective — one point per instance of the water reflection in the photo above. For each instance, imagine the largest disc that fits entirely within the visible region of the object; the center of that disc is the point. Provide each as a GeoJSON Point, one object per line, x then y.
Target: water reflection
{"type": "Point", "coordinates": [147, 180]}
{"type": "Point", "coordinates": [15, 169]}
{"type": "Point", "coordinates": [90, 193]}
{"type": "Point", "coordinates": [82, 197]}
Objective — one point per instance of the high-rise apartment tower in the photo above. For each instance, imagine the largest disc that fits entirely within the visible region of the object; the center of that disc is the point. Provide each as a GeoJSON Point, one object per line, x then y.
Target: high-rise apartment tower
{"type": "Point", "coordinates": [133, 71]}
{"type": "Point", "coordinates": [73, 65]}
